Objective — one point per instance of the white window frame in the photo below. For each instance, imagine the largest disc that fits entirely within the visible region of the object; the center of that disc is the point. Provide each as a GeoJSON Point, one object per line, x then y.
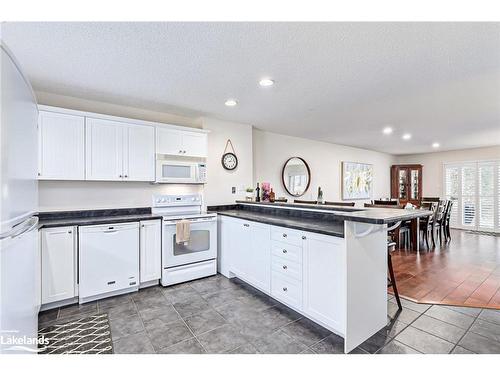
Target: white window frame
{"type": "Point", "coordinates": [459, 202]}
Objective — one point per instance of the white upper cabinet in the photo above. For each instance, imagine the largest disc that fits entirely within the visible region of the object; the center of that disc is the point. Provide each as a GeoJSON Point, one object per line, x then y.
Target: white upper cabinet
{"type": "Point", "coordinates": [104, 144]}
{"type": "Point", "coordinates": [194, 144]}
{"type": "Point", "coordinates": [61, 146]}
{"type": "Point", "coordinates": [181, 143]}
{"type": "Point", "coordinates": [139, 153]}
{"type": "Point", "coordinates": [76, 145]}
{"type": "Point", "coordinates": [117, 151]}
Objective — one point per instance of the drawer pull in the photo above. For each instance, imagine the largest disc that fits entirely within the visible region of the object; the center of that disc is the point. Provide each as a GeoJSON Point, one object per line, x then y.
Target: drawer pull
{"type": "Point", "coordinates": [285, 267]}
{"type": "Point", "coordinates": [285, 288]}
{"type": "Point", "coordinates": [284, 251]}
{"type": "Point", "coordinates": [246, 225]}
{"type": "Point", "coordinates": [284, 235]}
{"type": "Point", "coordinates": [304, 237]}
{"type": "Point", "coordinates": [111, 282]}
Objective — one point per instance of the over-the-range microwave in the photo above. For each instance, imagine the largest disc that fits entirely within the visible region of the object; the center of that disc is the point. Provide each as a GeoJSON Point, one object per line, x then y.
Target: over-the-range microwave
{"type": "Point", "coordinates": [178, 171]}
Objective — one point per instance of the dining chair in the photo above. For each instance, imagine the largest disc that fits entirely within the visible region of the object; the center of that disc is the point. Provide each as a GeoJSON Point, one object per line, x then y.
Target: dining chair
{"type": "Point", "coordinates": [385, 202]}
{"type": "Point", "coordinates": [284, 200]}
{"type": "Point", "coordinates": [427, 223]}
{"type": "Point", "coordinates": [439, 219]}
{"type": "Point", "coordinates": [391, 247]}
{"type": "Point", "coordinates": [431, 199]}
{"type": "Point", "coordinates": [447, 220]}
{"type": "Point", "coordinates": [403, 229]}
{"type": "Point", "coordinates": [344, 204]}
{"type": "Point", "coordinates": [301, 201]}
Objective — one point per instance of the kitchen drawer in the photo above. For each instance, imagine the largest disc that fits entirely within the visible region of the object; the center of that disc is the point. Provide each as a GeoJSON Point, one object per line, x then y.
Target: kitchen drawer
{"type": "Point", "coordinates": [286, 289]}
{"type": "Point", "coordinates": [287, 251]}
{"type": "Point", "coordinates": [290, 236]}
{"type": "Point", "coordinates": [287, 267]}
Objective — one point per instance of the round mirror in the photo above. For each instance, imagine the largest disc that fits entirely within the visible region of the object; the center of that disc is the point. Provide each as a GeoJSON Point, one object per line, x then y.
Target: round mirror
{"type": "Point", "coordinates": [296, 176]}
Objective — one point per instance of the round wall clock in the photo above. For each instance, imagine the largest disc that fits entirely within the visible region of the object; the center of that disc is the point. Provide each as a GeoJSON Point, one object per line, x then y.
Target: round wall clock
{"type": "Point", "coordinates": [229, 161]}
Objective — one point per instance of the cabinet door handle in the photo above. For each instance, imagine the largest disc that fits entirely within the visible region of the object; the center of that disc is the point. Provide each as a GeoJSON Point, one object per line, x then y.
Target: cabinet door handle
{"type": "Point", "coordinates": [285, 288]}
{"type": "Point", "coordinates": [285, 267]}
{"type": "Point", "coordinates": [125, 176]}
{"type": "Point", "coordinates": [70, 231]}
{"type": "Point", "coordinates": [304, 237]}
{"type": "Point", "coordinates": [180, 151]}
{"type": "Point", "coordinates": [284, 235]}
{"type": "Point", "coordinates": [120, 176]}
{"type": "Point", "coordinates": [284, 251]}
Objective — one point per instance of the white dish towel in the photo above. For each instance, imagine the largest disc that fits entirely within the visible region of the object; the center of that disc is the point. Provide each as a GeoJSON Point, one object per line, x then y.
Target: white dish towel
{"type": "Point", "coordinates": [182, 231]}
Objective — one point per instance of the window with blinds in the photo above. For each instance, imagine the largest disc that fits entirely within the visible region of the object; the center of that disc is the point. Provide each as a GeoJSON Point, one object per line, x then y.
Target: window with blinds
{"type": "Point", "coordinates": [474, 188]}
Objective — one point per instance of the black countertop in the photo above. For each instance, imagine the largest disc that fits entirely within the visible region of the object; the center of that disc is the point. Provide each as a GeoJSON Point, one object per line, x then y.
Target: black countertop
{"type": "Point", "coordinates": [309, 224]}
{"type": "Point", "coordinates": [94, 217]}
{"type": "Point", "coordinates": [367, 215]}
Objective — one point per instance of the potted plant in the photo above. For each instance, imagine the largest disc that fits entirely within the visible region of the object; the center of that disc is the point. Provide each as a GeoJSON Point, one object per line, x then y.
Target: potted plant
{"type": "Point", "coordinates": [249, 194]}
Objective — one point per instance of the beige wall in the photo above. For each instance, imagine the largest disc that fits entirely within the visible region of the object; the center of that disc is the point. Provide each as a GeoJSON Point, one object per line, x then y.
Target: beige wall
{"type": "Point", "coordinates": [219, 180]}
{"type": "Point", "coordinates": [271, 150]}
{"type": "Point", "coordinates": [433, 164]}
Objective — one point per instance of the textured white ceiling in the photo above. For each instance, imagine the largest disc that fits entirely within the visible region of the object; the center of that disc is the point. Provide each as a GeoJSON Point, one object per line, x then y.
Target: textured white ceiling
{"type": "Point", "coordinates": [337, 82]}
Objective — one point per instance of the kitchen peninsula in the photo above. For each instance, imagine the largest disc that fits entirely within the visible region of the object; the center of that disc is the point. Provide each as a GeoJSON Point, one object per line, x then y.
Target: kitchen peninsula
{"type": "Point", "coordinates": [328, 263]}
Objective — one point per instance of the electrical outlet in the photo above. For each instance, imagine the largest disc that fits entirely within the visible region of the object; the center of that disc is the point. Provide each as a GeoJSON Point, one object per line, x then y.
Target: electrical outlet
{"type": "Point", "coordinates": [233, 190]}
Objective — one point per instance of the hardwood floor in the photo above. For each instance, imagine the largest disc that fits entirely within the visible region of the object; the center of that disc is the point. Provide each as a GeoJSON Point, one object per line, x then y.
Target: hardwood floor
{"type": "Point", "coordinates": [464, 272]}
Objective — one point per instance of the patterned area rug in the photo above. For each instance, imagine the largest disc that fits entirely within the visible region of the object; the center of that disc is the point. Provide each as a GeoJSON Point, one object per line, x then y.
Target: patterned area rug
{"type": "Point", "coordinates": [90, 335]}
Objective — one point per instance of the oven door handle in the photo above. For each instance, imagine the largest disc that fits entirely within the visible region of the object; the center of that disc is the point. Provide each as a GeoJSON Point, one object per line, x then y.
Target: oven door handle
{"type": "Point", "coordinates": [196, 221]}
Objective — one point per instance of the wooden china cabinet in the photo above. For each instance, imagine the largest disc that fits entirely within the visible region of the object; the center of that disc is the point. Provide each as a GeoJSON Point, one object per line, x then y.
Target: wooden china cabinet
{"type": "Point", "coordinates": [406, 183]}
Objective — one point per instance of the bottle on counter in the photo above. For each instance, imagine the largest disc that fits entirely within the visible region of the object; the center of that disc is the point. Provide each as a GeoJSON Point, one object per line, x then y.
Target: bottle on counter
{"type": "Point", "coordinates": [320, 195]}
{"type": "Point", "coordinates": [257, 193]}
{"type": "Point", "coordinates": [272, 196]}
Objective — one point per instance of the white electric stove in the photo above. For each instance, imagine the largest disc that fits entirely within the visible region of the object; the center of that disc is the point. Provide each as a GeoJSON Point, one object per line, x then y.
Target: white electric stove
{"type": "Point", "coordinates": [198, 257]}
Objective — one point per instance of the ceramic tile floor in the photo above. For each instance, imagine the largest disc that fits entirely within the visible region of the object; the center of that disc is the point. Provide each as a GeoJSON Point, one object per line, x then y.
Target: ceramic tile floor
{"type": "Point", "coordinates": [218, 315]}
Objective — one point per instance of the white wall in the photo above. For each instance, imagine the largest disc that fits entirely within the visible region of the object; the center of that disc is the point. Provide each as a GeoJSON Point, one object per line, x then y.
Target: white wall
{"type": "Point", "coordinates": [220, 180]}
{"type": "Point", "coordinates": [271, 150]}
{"type": "Point", "coordinates": [433, 165]}
{"type": "Point", "coordinates": [82, 195]}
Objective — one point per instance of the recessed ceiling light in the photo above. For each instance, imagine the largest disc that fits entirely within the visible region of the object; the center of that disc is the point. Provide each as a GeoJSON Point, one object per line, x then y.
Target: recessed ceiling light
{"type": "Point", "coordinates": [406, 136]}
{"type": "Point", "coordinates": [231, 102]}
{"type": "Point", "coordinates": [387, 130]}
{"type": "Point", "coordinates": [264, 82]}
{"type": "Point", "coordinates": [435, 145]}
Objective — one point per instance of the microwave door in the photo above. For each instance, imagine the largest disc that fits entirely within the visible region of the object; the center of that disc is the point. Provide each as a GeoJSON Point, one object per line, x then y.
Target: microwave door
{"type": "Point", "coordinates": [176, 173]}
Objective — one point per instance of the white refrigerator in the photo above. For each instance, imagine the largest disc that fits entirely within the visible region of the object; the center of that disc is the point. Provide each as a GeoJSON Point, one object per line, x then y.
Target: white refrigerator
{"type": "Point", "coordinates": [19, 250]}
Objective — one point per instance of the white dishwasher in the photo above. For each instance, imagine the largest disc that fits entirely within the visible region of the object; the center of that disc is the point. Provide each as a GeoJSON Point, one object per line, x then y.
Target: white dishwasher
{"type": "Point", "coordinates": [108, 260]}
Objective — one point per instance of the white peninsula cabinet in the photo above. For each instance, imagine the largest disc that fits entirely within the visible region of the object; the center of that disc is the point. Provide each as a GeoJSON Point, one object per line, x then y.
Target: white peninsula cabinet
{"type": "Point", "coordinates": [340, 283]}
{"type": "Point", "coordinates": [150, 252]}
{"type": "Point", "coordinates": [59, 264]}
{"type": "Point", "coordinates": [61, 147]}
{"type": "Point", "coordinates": [117, 151]}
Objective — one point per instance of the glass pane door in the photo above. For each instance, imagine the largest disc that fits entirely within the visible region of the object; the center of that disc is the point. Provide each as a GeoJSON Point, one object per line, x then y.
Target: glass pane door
{"type": "Point", "coordinates": [486, 196]}
{"type": "Point", "coordinates": [414, 192]}
{"type": "Point", "coordinates": [402, 184]}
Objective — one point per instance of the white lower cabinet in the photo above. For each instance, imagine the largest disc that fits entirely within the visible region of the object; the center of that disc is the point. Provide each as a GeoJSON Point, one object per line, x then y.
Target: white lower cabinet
{"type": "Point", "coordinates": [251, 252]}
{"type": "Point", "coordinates": [324, 279]}
{"type": "Point", "coordinates": [150, 250]}
{"type": "Point", "coordinates": [59, 266]}
{"type": "Point", "coordinates": [303, 270]}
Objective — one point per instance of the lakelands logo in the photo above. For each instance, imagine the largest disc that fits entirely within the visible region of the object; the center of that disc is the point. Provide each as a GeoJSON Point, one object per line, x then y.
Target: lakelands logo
{"type": "Point", "coordinates": [12, 341]}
